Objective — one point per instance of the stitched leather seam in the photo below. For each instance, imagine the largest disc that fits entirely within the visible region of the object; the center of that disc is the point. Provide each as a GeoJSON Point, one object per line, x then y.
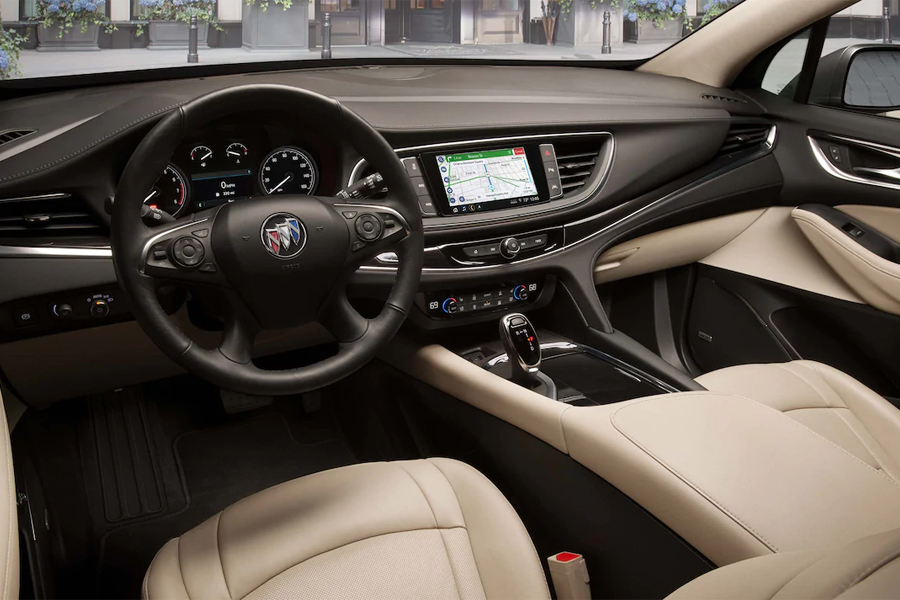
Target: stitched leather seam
{"type": "Point", "coordinates": [219, 553]}
{"type": "Point", "coordinates": [690, 484]}
{"type": "Point", "coordinates": [465, 526]}
{"type": "Point", "coordinates": [371, 537]}
{"type": "Point", "coordinates": [94, 143]}
{"type": "Point", "coordinates": [383, 127]}
{"type": "Point", "coordinates": [806, 382]}
{"type": "Point", "coordinates": [872, 568]}
{"type": "Point", "coordinates": [11, 483]}
{"type": "Point", "coordinates": [434, 516]}
{"type": "Point", "coordinates": [852, 251]}
{"type": "Point", "coordinates": [704, 494]}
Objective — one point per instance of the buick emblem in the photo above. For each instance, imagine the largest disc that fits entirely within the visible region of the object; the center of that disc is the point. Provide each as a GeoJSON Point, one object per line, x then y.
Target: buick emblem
{"type": "Point", "coordinates": [283, 235]}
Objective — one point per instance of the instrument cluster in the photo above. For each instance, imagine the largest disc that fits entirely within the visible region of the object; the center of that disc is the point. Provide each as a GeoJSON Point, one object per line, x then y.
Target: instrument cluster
{"type": "Point", "coordinates": [207, 172]}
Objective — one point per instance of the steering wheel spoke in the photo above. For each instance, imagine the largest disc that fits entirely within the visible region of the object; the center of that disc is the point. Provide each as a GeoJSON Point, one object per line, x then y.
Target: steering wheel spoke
{"type": "Point", "coordinates": [241, 329]}
{"type": "Point", "coordinates": [341, 319]}
{"type": "Point", "coordinates": [373, 229]}
{"type": "Point", "coordinates": [182, 252]}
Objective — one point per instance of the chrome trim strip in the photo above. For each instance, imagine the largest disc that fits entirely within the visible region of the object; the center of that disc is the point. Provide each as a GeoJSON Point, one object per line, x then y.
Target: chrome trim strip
{"type": "Point", "coordinates": [52, 196]}
{"type": "Point", "coordinates": [51, 252]}
{"type": "Point", "coordinates": [829, 168]}
{"type": "Point", "coordinates": [767, 147]}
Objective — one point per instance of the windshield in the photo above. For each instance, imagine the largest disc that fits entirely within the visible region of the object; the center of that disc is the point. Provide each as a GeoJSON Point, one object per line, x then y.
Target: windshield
{"type": "Point", "coordinates": [46, 38]}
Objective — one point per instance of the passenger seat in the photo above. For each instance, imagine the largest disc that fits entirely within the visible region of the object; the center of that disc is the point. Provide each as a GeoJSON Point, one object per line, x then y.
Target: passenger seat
{"type": "Point", "coordinates": [825, 400]}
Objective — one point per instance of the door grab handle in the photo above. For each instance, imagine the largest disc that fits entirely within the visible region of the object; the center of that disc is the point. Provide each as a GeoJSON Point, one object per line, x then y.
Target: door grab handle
{"type": "Point", "coordinates": [887, 173]}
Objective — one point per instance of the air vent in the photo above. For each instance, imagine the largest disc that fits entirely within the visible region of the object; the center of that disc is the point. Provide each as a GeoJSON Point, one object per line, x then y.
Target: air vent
{"type": "Point", "coordinates": [51, 217]}
{"type": "Point", "coordinates": [11, 135]}
{"type": "Point", "coordinates": [722, 98]}
{"type": "Point", "coordinates": [577, 162]}
{"type": "Point", "coordinates": [743, 137]}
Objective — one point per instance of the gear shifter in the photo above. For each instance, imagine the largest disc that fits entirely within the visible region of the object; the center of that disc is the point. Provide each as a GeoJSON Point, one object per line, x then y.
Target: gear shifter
{"type": "Point", "coordinates": [524, 352]}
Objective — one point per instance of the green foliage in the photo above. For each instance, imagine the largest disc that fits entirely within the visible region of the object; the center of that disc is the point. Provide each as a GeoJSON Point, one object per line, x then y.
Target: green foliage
{"type": "Point", "coordinates": [10, 43]}
{"type": "Point", "coordinates": [66, 14]}
{"type": "Point", "coordinates": [711, 10]}
{"type": "Point", "coordinates": [565, 6]}
{"type": "Point", "coordinates": [264, 4]}
{"type": "Point", "coordinates": [179, 10]}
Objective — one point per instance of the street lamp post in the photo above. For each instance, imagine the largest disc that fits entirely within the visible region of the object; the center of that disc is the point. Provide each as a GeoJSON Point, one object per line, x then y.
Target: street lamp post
{"type": "Point", "coordinates": [607, 26]}
{"type": "Point", "coordinates": [326, 37]}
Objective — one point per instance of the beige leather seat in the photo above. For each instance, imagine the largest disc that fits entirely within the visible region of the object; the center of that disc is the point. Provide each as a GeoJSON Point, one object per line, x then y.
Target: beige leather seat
{"type": "Point", "coordinates": [438, 529]}
{"type": "Point", "coordinates": [9, 534]}
{"type": "Point", "coordinates": [865, 569]}
{"type": "Point", "coordinates": [827, 401]}
{"type": "Point", "coordinates": [419, 529]}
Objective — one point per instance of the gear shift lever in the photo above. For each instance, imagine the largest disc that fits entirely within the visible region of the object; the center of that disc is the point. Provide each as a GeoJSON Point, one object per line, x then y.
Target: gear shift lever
{"type": "Point", "coordinates": [524, 352]}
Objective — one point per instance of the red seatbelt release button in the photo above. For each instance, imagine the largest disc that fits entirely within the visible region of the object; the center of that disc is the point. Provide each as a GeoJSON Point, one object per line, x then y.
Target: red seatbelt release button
{"type": "Point", "coordinates": [570, 576]}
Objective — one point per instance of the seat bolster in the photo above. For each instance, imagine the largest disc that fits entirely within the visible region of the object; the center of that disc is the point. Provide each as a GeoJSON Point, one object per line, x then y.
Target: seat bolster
{"type": "Point", "coordinates": [265, 542]}
{"type": "Point", "coordinates": [504, 553]}
{"type": "Point", "coordinates": [867, 568]}
{"type": "Point", "coordinates": [164, 578]}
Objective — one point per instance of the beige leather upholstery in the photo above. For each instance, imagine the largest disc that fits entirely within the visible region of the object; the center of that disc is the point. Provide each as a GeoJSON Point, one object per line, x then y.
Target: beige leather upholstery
{"type": "Point", "coordinates": [416, 529]}
{"type": "Point", "coordinates": [875, 279]}
{"type": "Point", "coordinates": [868, 568]}
{"type": "Point", "coordinates": [734, 477]}
{"type": "Point", "coordinates": [825, 400]}
{"type": "Point", "coordinates": [671, 247]}
{"type": "Point", "coordinates": [9, 534]}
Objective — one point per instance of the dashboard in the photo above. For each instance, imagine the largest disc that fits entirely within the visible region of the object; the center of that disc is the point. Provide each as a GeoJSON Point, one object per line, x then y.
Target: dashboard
{"type": "Point", "coordinates": [251, 155]}
{"type": "Point", "coordinates": [524, 175]}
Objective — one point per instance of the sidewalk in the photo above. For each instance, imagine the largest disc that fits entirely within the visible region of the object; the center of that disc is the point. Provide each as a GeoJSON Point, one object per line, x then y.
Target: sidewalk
{"type": "Point", "coordinates": [48, 64]}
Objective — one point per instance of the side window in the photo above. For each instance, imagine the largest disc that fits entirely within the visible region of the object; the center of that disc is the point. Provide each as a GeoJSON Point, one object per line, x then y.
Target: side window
{"type": "Point", "coordinates": [787, 64]}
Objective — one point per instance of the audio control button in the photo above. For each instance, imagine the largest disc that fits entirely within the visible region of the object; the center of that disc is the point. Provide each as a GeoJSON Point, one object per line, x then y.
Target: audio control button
{"type": "Point", "coordinates": [510, 247]}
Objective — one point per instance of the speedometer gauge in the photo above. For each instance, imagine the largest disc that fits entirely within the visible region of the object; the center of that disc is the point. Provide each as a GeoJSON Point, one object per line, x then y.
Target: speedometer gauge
{"type": "Point", "coordinates": [288, 170]}
{"type": "Point", "coordinates": [170, 193]}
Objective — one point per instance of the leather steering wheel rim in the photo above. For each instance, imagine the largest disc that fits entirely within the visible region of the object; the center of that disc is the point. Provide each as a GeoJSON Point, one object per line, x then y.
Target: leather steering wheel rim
{"type": "Point", "coordinates": [230, 366]}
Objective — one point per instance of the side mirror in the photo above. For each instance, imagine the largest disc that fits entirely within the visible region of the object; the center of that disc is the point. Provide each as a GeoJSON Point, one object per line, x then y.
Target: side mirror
{"type": "Point", "coordinates": [863, 77]}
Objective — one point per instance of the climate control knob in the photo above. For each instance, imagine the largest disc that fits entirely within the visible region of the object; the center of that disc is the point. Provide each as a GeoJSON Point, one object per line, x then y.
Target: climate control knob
{"type": "Point", "coordinates": [450, 306]}
{"type": "Point", "coordinates": [521, 293]}
{"type": "Point", "coordinates": [99, 308]}
{"type": "Point", "coordinates": [510, 247]}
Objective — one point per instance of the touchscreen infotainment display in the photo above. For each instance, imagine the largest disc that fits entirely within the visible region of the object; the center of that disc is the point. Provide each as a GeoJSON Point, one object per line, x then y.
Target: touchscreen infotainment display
{"type": "Point", "coordinates": [474, 180]}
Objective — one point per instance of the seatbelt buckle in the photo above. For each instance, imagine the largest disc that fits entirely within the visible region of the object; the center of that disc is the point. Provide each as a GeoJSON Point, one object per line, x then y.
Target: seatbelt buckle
{"type": "Point", "coordinates": [570, 576]}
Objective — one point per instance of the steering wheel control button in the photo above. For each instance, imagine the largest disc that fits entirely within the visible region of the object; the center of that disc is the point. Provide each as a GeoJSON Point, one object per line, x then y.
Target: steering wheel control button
{"type": "Point", "coordinates": [188, 251]}
{"type": "Point", "coordinates": [25, 317]}
{"type": "Point", "coordinates": [412, 167]}
{"type": "Point", "coordinates": [99, 309]}
{"type": "Point", "coordinates": [159, 253]}
{"type": "Point", "coordinates": [200, 233]}
{"type": "Point", "coordinates": [510, 247]}
{"type": "Point", "coordinates": [350, 214]}
{"type": "Point", "coordinates": [369, 227]}
{"type": "Point", "coordinates": [283, 235]}
{"type": "Point", "coordinates": [357, 245]}
{"type": "Point", "coordinates": [208, 267]}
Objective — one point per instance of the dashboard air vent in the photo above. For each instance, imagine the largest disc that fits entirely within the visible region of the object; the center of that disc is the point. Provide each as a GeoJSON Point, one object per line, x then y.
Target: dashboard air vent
{"type": "Point", "coordinates": [11, 135]}
{"type": "Point", "coordinates": [722, 98]}
{"type": "Point", "coordinates": [48, 217]}
{"type": "Point", "coordinates": [744, 136]}
{"type": "Point", "coordinates": [577, 161]}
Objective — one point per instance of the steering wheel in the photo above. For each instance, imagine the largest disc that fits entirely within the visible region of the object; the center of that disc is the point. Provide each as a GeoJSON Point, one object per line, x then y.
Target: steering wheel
{"type": "Point", "coordinates": [281, 261]}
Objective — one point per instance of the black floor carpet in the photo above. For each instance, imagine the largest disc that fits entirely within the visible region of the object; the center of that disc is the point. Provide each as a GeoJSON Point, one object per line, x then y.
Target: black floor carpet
{"type": "Point", "coordinates": [126, 471]}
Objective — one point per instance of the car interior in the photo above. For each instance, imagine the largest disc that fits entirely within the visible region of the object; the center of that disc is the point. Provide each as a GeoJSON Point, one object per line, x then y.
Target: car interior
{"type": "Point", "coordinates": [268, 331]}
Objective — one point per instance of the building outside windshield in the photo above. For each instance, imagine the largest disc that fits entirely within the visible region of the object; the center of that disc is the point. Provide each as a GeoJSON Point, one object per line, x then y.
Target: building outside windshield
{"type": "Point", "coordinates": [45, 38]}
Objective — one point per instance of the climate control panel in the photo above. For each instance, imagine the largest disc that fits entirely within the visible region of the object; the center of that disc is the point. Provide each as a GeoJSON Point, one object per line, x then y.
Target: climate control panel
{"type": "Point", "coordinates": [452, 304]}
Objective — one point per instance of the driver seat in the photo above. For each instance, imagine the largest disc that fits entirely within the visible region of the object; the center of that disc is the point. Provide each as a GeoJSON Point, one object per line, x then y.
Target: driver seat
{"type": "Point", "coordinates": [437, 528]}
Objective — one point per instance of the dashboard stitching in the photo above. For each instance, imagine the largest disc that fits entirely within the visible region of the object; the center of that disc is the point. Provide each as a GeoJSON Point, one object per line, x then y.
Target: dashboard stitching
{"type": "Point", "coordinates": [94, 143]}
{"type": "Point", "coordinates": [431, 126]}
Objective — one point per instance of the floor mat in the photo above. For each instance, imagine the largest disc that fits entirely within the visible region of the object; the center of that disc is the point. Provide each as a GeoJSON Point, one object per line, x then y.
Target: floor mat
{"type": "Point", "coordinates": [219, 467]}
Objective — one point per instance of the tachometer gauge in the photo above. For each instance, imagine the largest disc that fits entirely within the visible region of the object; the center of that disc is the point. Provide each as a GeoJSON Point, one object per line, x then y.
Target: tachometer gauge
{"type": "Point", "coordinates": [236, 153]}
{"type": "Point", "coordinates": [200, 156]}
{"type": "Point", "coordinates": [288, 170]}
{"type": "Point", "coordinates": [170, 194]}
